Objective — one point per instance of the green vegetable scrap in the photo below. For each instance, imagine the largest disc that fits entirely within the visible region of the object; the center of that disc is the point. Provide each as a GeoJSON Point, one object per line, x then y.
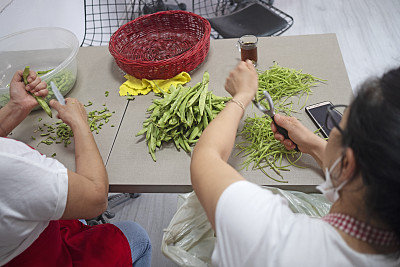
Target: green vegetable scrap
{"type": "Point", "coordinates": [130, 97]}
{"type": "Point", "coordinates": [181, 116]}
{"type": "Point", "coordinates": [88, 104]}
{"type": "Point", "coordinates": [39, 99]}
{"type": "Point", "coordinates": [43, 72]}
{"type": "Point", "coordinates": [259, 145]}
{"type": "Point", "coordinates": [107, 93]}
{"type": "Point", "coordinates": [96, 119]}
{"type": "Point", "coordinates": [60, 132]}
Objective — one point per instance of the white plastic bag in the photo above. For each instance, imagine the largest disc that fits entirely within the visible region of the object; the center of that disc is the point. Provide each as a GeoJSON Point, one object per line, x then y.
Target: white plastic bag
{"type": "Point", "coordinates": [189, 239]}
{"type": "Point", "coordinates": [314, 205]}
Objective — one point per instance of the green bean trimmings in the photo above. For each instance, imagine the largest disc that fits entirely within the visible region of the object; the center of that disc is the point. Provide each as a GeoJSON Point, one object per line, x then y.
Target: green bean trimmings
{"type": "Point", "coordinates": [259, 147]}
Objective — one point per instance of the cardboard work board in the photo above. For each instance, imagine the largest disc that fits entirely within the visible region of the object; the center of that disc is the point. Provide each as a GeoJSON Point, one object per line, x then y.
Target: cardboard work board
{"type": "Point", "coordinates": [130, 166]}
{"type": "Point", "coordinates": [97, 73]}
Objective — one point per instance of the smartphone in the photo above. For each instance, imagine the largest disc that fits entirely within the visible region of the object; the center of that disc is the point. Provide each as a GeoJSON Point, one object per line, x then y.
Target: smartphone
{"type": "Point", "coordinates": [317, 113]}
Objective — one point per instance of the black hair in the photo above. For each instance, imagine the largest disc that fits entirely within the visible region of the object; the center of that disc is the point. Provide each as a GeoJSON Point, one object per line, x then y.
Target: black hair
{"type": "Point", "coordinates": [373, 132]}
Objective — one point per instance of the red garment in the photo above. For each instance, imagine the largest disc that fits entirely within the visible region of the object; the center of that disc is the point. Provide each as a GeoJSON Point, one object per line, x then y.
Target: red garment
{"type": "Point", "coordinates": [71, 243]}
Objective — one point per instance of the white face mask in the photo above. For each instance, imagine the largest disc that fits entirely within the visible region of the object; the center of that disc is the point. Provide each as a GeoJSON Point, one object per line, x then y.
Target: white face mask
{"type": "Point", "coordinates": [327, 188]}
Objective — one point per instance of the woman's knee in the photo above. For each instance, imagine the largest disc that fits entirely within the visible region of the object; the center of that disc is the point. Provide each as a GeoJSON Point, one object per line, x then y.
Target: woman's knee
{"type": "Point", "coordinates": [137, 237]}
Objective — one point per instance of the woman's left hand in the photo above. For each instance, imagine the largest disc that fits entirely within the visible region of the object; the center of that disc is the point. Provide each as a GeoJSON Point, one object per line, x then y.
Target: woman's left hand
{"type": "Point", "coordinates": [20, 94]}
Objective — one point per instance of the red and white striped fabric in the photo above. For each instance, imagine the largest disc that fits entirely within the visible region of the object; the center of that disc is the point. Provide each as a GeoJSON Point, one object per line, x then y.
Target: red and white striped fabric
{"type": "Point", "coordinates": [361, 230]}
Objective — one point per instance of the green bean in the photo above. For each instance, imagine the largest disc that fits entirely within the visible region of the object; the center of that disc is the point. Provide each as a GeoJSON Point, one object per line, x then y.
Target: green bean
{"type": "Point", "coordinates": [182, 108]}
{"type": "Point", "coordinates": [43, 72]}
{"type": "Point", "coordinates": [182, 93]}
{"type": "Point", "coordinates": [88, 104]}
{"type": "Point", "coordinates": [202, 100]}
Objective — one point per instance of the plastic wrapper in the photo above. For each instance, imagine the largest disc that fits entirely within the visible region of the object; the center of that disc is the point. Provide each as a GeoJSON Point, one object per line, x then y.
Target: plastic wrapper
{"type": "Point", "coordinates": [189, 238]}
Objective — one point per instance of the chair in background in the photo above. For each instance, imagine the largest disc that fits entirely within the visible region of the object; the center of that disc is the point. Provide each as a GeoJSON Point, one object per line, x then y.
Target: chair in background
{"type": "Point", "coordinates": [235, 18]}
{"type": "Point", "coordinates": [104, 17]}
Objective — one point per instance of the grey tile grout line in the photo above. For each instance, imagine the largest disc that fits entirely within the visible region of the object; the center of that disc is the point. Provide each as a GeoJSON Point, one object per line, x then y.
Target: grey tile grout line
{"type": "Point", "coordinates": [116, 134]}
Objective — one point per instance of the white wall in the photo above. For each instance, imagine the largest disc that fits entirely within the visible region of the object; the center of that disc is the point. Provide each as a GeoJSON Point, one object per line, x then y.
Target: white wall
{"type": "Point", "coordinates": [17, 15]}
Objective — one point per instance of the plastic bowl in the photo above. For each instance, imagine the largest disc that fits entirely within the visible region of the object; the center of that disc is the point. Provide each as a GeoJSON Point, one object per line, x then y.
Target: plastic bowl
{"type": "Point", "coordinates": [42, 49]}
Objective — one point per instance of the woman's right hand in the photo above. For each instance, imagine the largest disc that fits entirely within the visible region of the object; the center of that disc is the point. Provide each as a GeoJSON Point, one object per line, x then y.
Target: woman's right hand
{"type": "Point", "coordinates": [242, 82]}
{"type": "Point", "coordinates": [306, 140]}
{"type": "Point", "coordinates": [72, 113]}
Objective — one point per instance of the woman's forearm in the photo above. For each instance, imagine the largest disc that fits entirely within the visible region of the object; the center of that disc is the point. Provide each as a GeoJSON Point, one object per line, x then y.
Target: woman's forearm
{"type": "Point", "coordinates": [219, 136]}
{"type": "Point", "coordinates": [10, 117]}
{"type": "Point", "coordinates": [317, 151]}
{"type": "Point", "coordinates": [88, 160]}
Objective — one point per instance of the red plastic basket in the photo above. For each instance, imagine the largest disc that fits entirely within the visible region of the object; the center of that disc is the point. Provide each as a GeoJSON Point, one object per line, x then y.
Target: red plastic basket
{"type": "Point", "coordinates": [161, 45]}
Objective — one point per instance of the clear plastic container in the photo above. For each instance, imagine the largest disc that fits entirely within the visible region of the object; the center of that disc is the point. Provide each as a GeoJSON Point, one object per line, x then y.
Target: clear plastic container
{"type": "Point", "coordinates": [51, 50]}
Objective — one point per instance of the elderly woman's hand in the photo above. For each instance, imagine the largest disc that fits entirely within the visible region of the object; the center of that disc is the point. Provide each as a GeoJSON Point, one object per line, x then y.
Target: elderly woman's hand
{"type": "Point", "coordinates": [242, 82]}
{"type": "Point", "coordinates": [72, 113]}
{"type": "Point", "coordinates": [20, 94]}
{"type": "Point", "coordinates": [306, 140]}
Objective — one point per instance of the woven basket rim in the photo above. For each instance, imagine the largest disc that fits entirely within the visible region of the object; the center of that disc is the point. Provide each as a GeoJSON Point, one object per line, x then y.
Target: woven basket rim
{"type": "Point", "coordinates": [114, 53]}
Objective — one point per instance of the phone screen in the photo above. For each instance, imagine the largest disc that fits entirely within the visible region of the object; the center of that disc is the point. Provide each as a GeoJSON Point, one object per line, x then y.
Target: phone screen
{"type": "Point", "coordinates": [317, 113]}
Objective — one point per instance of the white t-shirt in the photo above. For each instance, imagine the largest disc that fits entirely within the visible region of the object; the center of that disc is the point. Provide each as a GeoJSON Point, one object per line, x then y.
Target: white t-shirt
{"type": "Point", "coordinates": [33, 191]}
{"type": "Point", "coordinates": [256, 228]}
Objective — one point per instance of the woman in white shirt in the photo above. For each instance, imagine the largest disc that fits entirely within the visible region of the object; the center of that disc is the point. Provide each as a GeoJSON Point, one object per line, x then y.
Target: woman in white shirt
{"type": "Point", "coordinates": [361, 166]}
{"type": "Point", "coordinates": [41, 200]}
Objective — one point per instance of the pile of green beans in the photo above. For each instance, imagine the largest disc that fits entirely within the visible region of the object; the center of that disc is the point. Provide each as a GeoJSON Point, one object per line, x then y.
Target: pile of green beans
{"type": "Point", "coordinates": [259, 146]}
{"type": "Point", "coordinates": [262, 149]}
{"type": "Point", "coordinates": [181, 116]}
{"type": "Point", "coordinates": [59, 132]}
{"type": "Point", "coordinates": [96, 119]}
